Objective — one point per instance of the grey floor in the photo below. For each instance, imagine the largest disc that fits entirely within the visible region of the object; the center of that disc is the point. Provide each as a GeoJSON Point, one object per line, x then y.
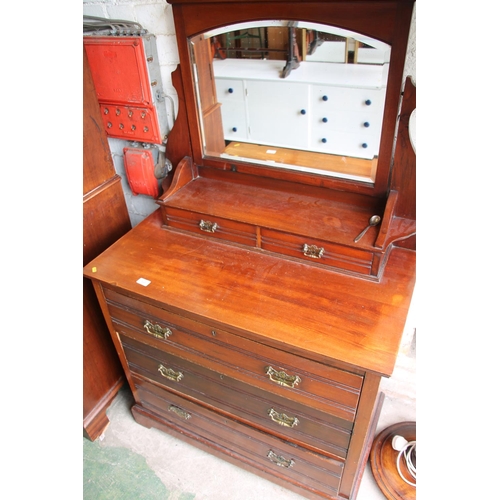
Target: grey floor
{"type": "Point", "coordinates": [132, 462]}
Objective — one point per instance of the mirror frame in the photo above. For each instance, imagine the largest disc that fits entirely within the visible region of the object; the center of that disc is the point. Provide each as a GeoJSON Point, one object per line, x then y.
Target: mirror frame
{"type": "Point", "coordinates": [387, 21]}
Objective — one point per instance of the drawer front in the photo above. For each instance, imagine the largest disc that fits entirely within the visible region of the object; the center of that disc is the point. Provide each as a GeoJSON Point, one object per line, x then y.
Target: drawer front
{"type": "Point", "coordinates": [322, 387]}
{"type": "Point", "coordinates": [317, 251]}
{"type": "Point", "coordinates": [256, 448]}
{"type": "Point", "coordinates": [346, 121]}
{"type": "Point", "coordinates": [363, 144]}
{"type": "Point", "coordinates": [229, 90]}
{"type": "Point", "coordinates": [215, 227]}
{"type": "Point", "coordinates": [234, 121]}
{"type": "Point", "coordinates": [327, 100]}
{"type": "Point", "coordinates": [284, 418]}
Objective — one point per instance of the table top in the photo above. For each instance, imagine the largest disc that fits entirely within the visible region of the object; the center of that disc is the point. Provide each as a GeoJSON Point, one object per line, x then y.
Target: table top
{"type": "Point", "coordinates": [287, 304]}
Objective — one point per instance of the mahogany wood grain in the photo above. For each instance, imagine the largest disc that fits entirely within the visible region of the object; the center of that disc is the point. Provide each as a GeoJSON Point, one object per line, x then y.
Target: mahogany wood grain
{"type": "Point", "coordinates": [238, 306]}
{"type": "Point", "coordinates": [331, 218]}
{"type": "Point", "coordinates": [315, 430]}
{"type": "Point", "coordinates": [404, 177]}
{"type": "Point", "coordinates": [149, 418]}
{"type": "Point", "coordinates": [351, 320]}
{"type": "Point", "coordinates": [179, 139]}
{"type": "Point", "coordinates": [105, 219]}
{"type": "Point", "coordinates": [362, 436]}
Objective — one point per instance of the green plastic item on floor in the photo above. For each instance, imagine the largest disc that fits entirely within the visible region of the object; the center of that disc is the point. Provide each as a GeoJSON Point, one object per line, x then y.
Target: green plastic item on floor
{"type": "Point", "coordinates": [111, 473]}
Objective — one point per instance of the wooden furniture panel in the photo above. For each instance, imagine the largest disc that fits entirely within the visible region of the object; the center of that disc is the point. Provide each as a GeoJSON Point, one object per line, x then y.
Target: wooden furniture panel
{"type": "Point", "coordinates": [251, 319]}
{"type": "Point", "coordinates": [236, 341]}
{"type": "Point", "coordinates": [210, 225]}
{"type": "Point", "coordinates": [320, 431]}
{"type": "Point", "coordinates": [319, 386]}
{"type": "Point", "coordinates": [257, 449]}
{"type": "Point", "coordinates": [280, 220]}
{"type": "Point", "coordinates": [105, 219]}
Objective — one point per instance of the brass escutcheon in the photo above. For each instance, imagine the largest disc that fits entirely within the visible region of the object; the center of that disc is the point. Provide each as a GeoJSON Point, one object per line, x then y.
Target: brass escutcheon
{"type": "Point", "coordinates": [282, 378]}
{"type": "Point", "coordinates": [157, 331]}
{"type": "Point", "coordinates": [282, 419]}
{"type": "Point", "coordinates": [207, 226]}
{"type": "Point", "coordinates": [279, 460]}
{"type": "Point", "coordinates": [170, 374]}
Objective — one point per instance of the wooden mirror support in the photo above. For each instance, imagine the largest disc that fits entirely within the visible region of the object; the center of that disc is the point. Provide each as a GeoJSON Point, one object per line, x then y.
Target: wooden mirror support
{"type": "Point", "coordinates": [250, 318]}
{"type": "Point", "coordinates": [269, 222]}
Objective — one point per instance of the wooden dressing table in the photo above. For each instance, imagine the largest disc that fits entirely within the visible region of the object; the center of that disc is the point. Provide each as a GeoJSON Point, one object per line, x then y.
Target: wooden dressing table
{"type": "Point", "coordinates": [247, 320]}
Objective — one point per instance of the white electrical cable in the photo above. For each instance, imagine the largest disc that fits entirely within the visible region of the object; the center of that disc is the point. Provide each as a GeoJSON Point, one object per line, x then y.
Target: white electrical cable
{"type": "Point", "coordinates": [406, 452]}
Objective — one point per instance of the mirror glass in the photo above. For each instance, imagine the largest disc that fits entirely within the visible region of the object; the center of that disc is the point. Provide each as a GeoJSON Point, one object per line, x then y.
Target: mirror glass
{"type": "Point", "coordinates": [294, 95]}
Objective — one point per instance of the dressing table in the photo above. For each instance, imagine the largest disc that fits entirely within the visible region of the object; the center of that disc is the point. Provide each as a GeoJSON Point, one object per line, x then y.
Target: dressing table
{"type": "Point", "coordinates": [248, 320]}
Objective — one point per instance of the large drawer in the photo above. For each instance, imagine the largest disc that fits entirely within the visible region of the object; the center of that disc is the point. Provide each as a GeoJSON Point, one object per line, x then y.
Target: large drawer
{"type": "Point", "coordinates": [318, 251]}
{"type": "Point", "coordinates": [284, 418]}
{"type": "Point", "coordinates": [216, 227]}
{"type": "Point", "coordinates": [319, 386]}
{"type": "Point", "coordinates": [258, 449]}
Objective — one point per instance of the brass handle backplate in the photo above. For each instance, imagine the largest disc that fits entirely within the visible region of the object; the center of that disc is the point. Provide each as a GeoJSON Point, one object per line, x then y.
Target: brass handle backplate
{"type": "Point", "coordinates": [279, 460]}
{"type": "Point", "coordinates": [170, 374]}
{"type": "Point", "coordinates": [207, 226]}
{"type": "Point", "coordinates": [156, 330]}
{"type": "Point", "coordinates": [282, 419]}
{"type": "Point", "coordinates": [180, 412]}
{"type": "Point", "coordinates": [313, 251]}
{"type": "Point", "coordinates": [282, 378]}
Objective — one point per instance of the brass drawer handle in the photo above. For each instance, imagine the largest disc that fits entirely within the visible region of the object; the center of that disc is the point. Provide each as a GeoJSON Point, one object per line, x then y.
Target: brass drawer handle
{"type": "Point", "coordinates": [179, 412]}
{"type": "Point", "coordinates": [279, 460]}
{"type": "Point", "coordinates": [282, 378]}
{"type": "Point", "coordinates": [313, 251]}
{"type": "Point", "coordinates": [282, 419]}
{"type": "Point", "coordinates": [157, 331]}
{"type": "Point", "coordinates": [170, 374]}
{"type": "Point", "coordinates": [207, 226]}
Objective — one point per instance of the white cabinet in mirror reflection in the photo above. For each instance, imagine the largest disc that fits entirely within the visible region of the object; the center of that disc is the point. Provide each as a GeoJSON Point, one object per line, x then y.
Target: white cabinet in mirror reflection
{"type": "Point", "coordinates": [326, 108]}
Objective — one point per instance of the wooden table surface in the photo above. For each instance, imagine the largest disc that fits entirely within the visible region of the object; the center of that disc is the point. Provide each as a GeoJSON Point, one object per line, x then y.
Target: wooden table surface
{"type": "Point", "coordinates": [293, 306]}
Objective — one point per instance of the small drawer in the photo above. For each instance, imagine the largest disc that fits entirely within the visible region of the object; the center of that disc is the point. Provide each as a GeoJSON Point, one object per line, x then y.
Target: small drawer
{"type": "Point", "coordinates": [208, 225]}
{"type": "Point", "coordinates": [272, 455]}
{"type": "Point", "coordinates": [229, 90]}
{"type": "Point", "coordinates": [279, 416]}
{"type": "Point", "coordinates": [363, 144]}
{"type": "Point", "coordinates": [317, 251]}
{"type": "Point", "coordinates": [316, 385]}
{"type": "Point", "coordinates": [334, 99]}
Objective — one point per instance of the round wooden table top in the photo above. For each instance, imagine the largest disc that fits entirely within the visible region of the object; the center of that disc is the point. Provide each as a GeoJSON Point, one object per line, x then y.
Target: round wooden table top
{"type": "Point", "coordinates": [383, 462]}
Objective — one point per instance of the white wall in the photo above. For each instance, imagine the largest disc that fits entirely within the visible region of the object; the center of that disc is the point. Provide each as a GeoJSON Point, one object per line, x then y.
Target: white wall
{"type": "Point", "coordinates": [156, 17]}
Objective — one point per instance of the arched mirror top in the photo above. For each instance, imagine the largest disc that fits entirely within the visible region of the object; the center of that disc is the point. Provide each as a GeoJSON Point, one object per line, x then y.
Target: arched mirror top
{"type": "Point", "coordinates": [305, 87]}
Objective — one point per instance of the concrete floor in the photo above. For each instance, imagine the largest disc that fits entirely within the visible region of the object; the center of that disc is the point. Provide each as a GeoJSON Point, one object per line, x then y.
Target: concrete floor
{"type": "Point", "coordinates": [132, 462]}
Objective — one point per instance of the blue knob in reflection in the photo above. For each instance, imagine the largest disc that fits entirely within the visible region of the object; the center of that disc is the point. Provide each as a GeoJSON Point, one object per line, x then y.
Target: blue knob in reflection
{"type": "Point", "coordinates": [325, 98]}
{"type": "Point", "coordinates": [368, 102]}
{"type": "Point", "coordinates": [230, 91]}
{"type": "Point", "coordinates": [302, 111]}
{"type": "Point", "coordinates": [323, 140]}
{"type": "Point", "coordinates": [364, 145]}
{"type": "Point", "coordinates": [324, 120]}
{"type": "Point", "coordinates": [366, 124]}
{"type": "Point", "coordinates": [234, 129]}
